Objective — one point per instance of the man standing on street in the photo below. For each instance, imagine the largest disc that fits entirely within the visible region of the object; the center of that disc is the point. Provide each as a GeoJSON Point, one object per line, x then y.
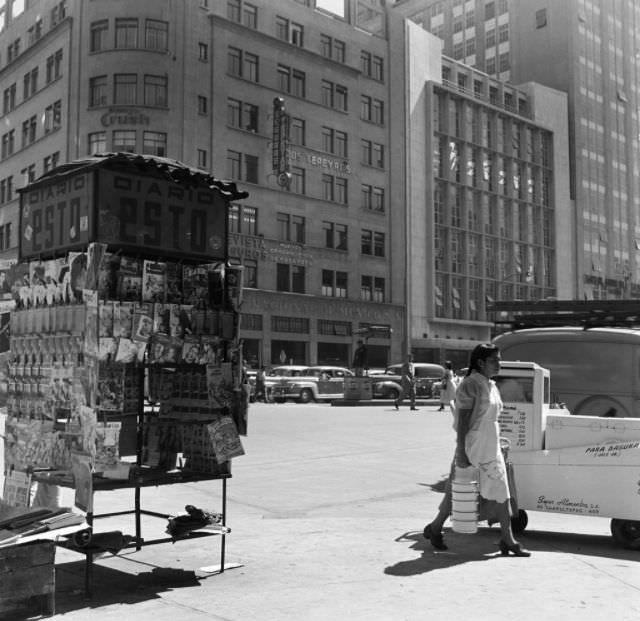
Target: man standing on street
{"type": "Point", "coordinates": [408, 381]}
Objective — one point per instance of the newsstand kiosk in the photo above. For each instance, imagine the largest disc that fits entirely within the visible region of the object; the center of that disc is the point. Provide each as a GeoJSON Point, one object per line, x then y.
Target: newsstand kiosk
{"type": "Point", "coordinates": [125, 370]}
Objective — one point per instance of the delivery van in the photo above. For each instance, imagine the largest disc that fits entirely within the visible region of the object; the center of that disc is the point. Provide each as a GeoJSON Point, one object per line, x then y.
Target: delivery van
{"type": "Point", "coordinates": [594, 371]}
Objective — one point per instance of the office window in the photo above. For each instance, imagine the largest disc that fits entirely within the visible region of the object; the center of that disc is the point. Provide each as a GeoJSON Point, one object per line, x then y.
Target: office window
{"type": "Point", "coordinates": [97, 142]}
{"type": "Point", "coordinates": [372, 243]}
{"type": "Point", "coordinates": [52, 117]}
{"type": "Point", "coordinates": [372, 110]}
{"type": "Point", "coordinates": [125, 86]}
{"type": "Point", "coordinates": [6, 190]}
{"type": "Point", "coordinates": [490, 38]}
{"type": "Point", "coordinates": [291, 228]}
{"type": "Point", "coordinates": [126, 33]}
{"type": "Point", "coordinates": [289, 31]}
{"type": "Point", "coordinates": [155, 90]}
{"type": "Point", "coordinates": [503, 33]}
{"type": "Point", "coordinates": [291, 81]}
{"type": "Point", "coordinates": [8, 143]}
{"type": "Point", "coordinates": [241, 166]}
{"type": "Point", "coordinates": [372, 198]}
{"type": "Point", "coordinates": [290, 278]}
{"type": "Point", "coordinates": [156, 35]}
{"type": "Point", "coordinates": [504, 62]}
{"type": "Point", "coordinates": [98, 35]}
{"type": "Point", "coordinates": [203, 105]}
{"type": "Point", "coordinates": [298, 183]}
{"type": "Point", "coordinates": [489, 10]}
{"type": "Point", "coordinates": [202, 158]}
{"type": "Point", "coordinates": [30, 83]}
{"type": "Point", "coordinates": [372, 153]}
{"type": "Point", "coordinates": [154, 143]}
{"type": "Point", "coordinates": [54, 66]}
{"type": "Point", "coordinates": [58, 12]}
{"type": "Point", "coordinates": [242, 115]}
{"type": "Point", "coordinates": [242, 64]}
{"type": "Point", "coordinates": [9, 99]}
{"type": "Point", "coordinates": [5, 236]}
{"type": "Point", "coordinates": [334, 284]}
{"type": "Point", "coordinates": [233, 10]}
{"type": "Point", "coordinates": [332, 48]}
{"type": "Point", "coordinates": [250, 15]}
{"type": "Point", "coordinates": [203, 52]}
{"type": "Point", "coordinates": [334, 141]}
{"type": "Point", "coordinates": [13, 50]}
{"type": "Point", "coordinates": [29, 130]}
{"type": "Point", "coordinates": [124, 140]}
{"type": "Point", "coordinates": [334, 95]}
{"type": "Point", "coordinates": [541, 18]}
{"type": "Point", "coordinates": [28, 174]}
{"type": "Point", "coordinates": [335, 235]}
{"type": "Point", "coordinates": [334, 189]}
{"type": "Point", "coordinates": [50, 161]}
{"type": "Point", "coordinates": [297, 131]}
{"type": "Point", "coordinates": [243, 219]}
{"type": "Point", "coordinates": [372, 289]}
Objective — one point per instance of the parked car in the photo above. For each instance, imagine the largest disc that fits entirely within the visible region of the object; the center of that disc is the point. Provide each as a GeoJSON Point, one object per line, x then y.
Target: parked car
{"type": "Point", "coordinates": [317, 383]}
{"type": "Point", "coordinates": [389, 385]}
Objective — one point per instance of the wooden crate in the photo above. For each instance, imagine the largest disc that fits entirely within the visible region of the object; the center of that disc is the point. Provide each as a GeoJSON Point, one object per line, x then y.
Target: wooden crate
{"type": "Point", "coordinates": [27, 571]}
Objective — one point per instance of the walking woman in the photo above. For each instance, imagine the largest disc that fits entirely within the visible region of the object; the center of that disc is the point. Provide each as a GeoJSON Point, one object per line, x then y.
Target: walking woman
{"type": "Point", "coordinates": [478, 405]}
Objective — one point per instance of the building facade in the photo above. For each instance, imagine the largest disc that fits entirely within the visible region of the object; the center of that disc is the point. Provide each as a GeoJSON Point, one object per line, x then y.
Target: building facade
{"type": "Point", "coordinates": [587, 49]}
{"type": "Point", "coordinates": [384, 189]}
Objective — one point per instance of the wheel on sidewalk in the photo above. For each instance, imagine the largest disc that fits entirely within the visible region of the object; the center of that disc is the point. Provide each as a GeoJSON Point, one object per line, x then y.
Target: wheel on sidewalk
{"type": "Point", "coordinates": [626, 533]}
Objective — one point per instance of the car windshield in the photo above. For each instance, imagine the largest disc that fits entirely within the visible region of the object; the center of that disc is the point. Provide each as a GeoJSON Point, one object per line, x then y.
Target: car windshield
{"type": "Point", "coordinates": [286, 372]}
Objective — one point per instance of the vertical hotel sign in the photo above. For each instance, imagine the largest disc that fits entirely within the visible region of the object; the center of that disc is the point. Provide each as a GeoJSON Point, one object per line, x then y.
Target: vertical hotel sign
{"type": "Point", "coordinates": [55, 215]}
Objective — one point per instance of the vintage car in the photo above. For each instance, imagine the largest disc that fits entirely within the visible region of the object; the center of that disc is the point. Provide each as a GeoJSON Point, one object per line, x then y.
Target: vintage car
{"type": "Point", "coordinates": [317, 383]}
{"type": "Point", "coordinates": [389, 385]}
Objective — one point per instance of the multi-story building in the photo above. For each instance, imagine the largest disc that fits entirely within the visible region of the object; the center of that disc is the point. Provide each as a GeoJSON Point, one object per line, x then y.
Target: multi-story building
{"type": "Point", "coordinates": [589, 50]}
{"type": "Point", "coordinates": [487, 186]}
{"type": "Point", "coordinates": [386, 187]}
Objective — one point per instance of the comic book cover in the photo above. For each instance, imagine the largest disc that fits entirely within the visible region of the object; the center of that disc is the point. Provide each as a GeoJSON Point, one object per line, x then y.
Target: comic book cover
{"type": "Point", "coordinates": [110, 388]}
{"type": "Point", "coordinates": [95, 256]}
{"type": "Point", "coordinates": [123, 319]}
{"type": "Point", "coordinates": [153, 281]}
{"type": "Point", "coordinates": [224, 437]}
{"type": "Point", "coordinates": [162, 318]}
{"type": "Point", "coordinates": [107, 348]}
{"type": "Point", "coordinates": [6, 278]}
{"type": "Point", "coordinates": [208, 353]}
{"type": "Point", "coordinates": [162, 349]}
{"type": "Point", "coordinates": [174, 282]}
{"type": "Point", "coordinates": [105, 318]}
{"type": "Point", "coordinates": [77, 275]}
{"type": "Point", "coordinates": [142, 322]}
{"type": "Point", "coordinates": [108, 276]}
{"type": "Point", "coordinates": [195, 285]}
{"type": "Point", "coordinates": [52, 274]}
{"type": "Point", "coordinates": [130, 280]}
{"type": "Point", "coordinates": [36, 282]}
{"type": "Point", "coordinates": [127, 350]}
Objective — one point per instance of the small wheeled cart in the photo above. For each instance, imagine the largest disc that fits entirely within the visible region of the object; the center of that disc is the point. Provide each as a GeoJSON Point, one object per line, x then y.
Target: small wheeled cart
{"type": "Point", "coordinates": [576, 465]}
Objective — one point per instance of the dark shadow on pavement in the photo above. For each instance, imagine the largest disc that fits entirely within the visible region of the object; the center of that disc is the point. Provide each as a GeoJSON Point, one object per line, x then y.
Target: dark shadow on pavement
{"type": "Point", "coordinates": [438, 486]}
{"type": "Point", "coordinates": [140, 582]}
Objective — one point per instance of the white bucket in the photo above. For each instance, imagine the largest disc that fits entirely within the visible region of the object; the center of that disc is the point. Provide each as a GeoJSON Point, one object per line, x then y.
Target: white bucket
{"type": "Point", "coordinates": [464, 501]}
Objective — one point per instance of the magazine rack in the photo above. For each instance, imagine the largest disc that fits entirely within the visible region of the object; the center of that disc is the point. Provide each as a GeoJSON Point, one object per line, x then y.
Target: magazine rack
{"type": "Point", "coordinates": [124, 336]}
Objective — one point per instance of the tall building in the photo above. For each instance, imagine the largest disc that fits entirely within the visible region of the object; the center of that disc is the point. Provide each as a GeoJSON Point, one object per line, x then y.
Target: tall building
{"type": "Point", "coordinates": [589, 50]}
{"type": "Point", "coordinates": [487, 193]}
{"type": "Point", "coordinates": [196, 81]}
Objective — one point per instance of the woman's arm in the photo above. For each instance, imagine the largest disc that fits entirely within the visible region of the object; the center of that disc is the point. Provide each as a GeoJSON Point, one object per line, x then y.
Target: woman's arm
{"type": "Point", "coordinates": [464, 416]}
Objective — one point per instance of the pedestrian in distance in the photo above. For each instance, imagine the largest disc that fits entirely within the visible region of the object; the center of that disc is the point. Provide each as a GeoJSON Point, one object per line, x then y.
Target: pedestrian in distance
{"type": "Point", "coordinates": [261, 386]}
{"type": "Point", "coordinates": [360, 359]}
{"type": "Point", "coordinates": [477, 407]}
{"type": "Point", "coordinates": [408, 383]}
{"type": "Point", "coordinates": [448, 387]}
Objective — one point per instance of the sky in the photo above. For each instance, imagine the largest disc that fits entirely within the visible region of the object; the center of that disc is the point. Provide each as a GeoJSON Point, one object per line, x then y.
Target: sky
{"type": "Point", "coordinates": [335, 6]}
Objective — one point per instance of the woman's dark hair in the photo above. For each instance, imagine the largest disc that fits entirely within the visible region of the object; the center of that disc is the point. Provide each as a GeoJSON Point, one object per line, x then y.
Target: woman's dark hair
{"type": "Point", "coordinates": [448, 365]}
{"type": "Point", "coordinates": [481, 352]}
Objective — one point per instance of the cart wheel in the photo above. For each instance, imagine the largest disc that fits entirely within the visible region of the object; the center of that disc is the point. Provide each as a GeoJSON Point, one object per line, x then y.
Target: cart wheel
{"type": "Point", "coordinates": [306, 395]}
{"type": "Point", "coordinates": [626, 533]}
{"type": "Point", "coordinates": [519, 522]}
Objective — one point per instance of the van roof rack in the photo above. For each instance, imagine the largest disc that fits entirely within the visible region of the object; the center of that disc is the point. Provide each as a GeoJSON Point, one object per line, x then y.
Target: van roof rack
{"type": "Point", "coordinates": [522, 314]}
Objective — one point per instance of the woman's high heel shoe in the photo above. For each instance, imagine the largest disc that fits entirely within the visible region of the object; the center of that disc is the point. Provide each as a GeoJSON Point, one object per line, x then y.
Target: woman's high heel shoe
{"type": "Point", "coordinates": [435, 538]}
{"type": "Point", "coordinates": [516, 549]}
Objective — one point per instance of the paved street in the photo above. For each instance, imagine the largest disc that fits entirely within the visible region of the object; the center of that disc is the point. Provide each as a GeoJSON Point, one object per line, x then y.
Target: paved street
{"type": "Point", "coordinates": [327, 509]}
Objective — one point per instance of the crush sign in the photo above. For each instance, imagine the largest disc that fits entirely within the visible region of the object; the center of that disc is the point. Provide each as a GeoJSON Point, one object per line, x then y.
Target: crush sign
{"type": "Point", "coordinates": [156, 214]}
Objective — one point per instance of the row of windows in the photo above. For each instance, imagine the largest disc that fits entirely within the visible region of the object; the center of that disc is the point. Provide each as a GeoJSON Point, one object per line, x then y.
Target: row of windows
{"type": "Point", "coordinates": [51, 120]}
{"type": "Point", "coordinates": [126, 35]}
{"type": "Point", "coordinates": [126, 141]}
{"type": "Point", "coordinates": [125, 90]}
{"type": "Point", "coordinates": [246, 14]}
{"type": "Point", "coordinates": [293, 228]}
{"type": "Point", "coordinates": [30, 82]}
{"type": "Point", "coordinates": [7, 190]}
{"type": "Point", "coordinates": [292, 278]}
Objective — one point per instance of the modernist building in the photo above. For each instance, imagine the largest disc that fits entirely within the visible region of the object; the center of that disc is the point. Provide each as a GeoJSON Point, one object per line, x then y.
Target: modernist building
{"type": "Point", "coordinates": [384, 181]}
{"type": "Point", "coordinates": [589, 50]}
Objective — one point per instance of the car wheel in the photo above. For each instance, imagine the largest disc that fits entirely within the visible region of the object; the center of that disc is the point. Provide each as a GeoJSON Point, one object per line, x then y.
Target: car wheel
{"type": "Point", "coordinates": [393, 393]}
{"type": "Point", "coordinates": [306, 395]}
{"type": "Point", "coordinates": [626, 533]}
{"type": "Point", "coordinates": [519, 522]}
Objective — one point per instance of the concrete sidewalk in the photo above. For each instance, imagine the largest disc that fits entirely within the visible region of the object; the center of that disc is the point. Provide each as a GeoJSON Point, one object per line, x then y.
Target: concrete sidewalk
{"type": "Point", "coordinates": [327, 509]}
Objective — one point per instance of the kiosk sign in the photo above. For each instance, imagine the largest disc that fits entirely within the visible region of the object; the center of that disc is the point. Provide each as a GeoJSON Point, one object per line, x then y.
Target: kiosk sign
{"type": "Point", "coordinates": [56, 215]}
{"type": "Point", "coordinates": [156, 214]}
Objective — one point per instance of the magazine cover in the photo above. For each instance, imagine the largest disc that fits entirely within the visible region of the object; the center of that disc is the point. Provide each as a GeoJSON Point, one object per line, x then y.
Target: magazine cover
{"type": "Point", "coordinates": [209, 349]}
{"type": "Point", "coordinates": [162, 318]}
{"type": "Point", "coordinates": [77, 275]}
{"type": "Point", "coordinates": [174, 282]}
{"type": "Point", "coordinates": [142, 322]}
{"type": "Point", "coordinates": [195, 284]}
{"type": "Point", "coordinates": [52, 271]}
{"type": "Point", "coordinates": [191, 349]}
{"type": "Point", "coordinates": [108, 276]}
{"type": "Point", "coordinates": [127, 350]}
{"type": "Point", "coordinates": [107, 348]}
{"type": "Point", "coordinates": [130, 280]}
{"type": "Point", "coordinates": [153, 281]}
{"type": "Point", "coordinates": [91, 324]}
{"type": "Point", "coordinates": [225, 439]}
{"type": "Point", "coordinates": [95, 256]}
{"type": "Point", "coordinates": [106, 317]}
{"type": "Point", "coordinates": [123, 319]}
{"type": "Point", "coordinates": [162, 349]}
